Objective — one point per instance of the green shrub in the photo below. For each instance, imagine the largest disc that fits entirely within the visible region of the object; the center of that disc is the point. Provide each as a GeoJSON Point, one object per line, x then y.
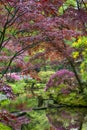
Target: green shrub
{"type": "Point", "coordinates": [4, 127]}
{"type": "Point", "coordinates": [45, 75]}
{"type": "Point", "coordinates": [18, 87]}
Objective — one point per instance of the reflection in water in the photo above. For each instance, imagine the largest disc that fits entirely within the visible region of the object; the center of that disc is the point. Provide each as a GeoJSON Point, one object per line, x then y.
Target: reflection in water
{"type": "Point", "coordinates": [59, 119]}
{"type": "Point", "coordinates": [68, 118]}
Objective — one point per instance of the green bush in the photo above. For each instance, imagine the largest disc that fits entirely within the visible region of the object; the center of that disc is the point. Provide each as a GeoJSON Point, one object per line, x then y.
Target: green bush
{"type": "Point", "coordinates": [18, 87]}
{"type": "Point", "coordinates": [45, 75]}
{"type": "Point", "coordinates": [4, 127]}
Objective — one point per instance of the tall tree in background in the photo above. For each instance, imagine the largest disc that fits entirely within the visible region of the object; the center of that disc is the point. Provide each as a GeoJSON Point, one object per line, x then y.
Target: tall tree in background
{"type": "Point", "coordinates": [41, 27]}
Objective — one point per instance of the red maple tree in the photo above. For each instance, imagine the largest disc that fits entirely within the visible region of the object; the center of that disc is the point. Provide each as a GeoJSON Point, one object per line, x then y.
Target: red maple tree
{"type": "Point", "coordinates": [37, 29]}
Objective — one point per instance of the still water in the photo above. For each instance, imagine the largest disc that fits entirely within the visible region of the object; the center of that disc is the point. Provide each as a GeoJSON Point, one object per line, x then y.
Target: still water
{"type": "Point", "coordinates": [63, 118]}
{"type": "Point", "coordinates": [58, 119]}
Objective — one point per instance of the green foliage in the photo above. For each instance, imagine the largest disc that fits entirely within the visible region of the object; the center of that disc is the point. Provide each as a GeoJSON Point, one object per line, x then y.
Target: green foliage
{"type": "Point", "coordinates": [81, 53]}
{"type": "Point", "coordinates": [44, 75]}
{"type": "Point", "coordinates": [30, 81]}
{"type": "Point", "coordinates": [3, 100]}
{"type": "Point", "coordinates": [55, 91]}
{"type": "Point", "coordinates": [85, 94]}
{"type": "Point", "coordinates": [4, 103]}
{"type": "Point", "coordinates": [70, 42]}
{"type": "Point", "coordinates": [33, 84]}
{"type": "Point", "coordinates": [39, 121]}
{"type": "Point", "coordinates": [18, 87]}
{"type": "Point", "coordinates": [4, 127]}
{"type": "Point", "coordinates": [72, 98]}
{"type": "Point", "coordinates": [26, 59]}
{"type": "Point", "coordinates": [22, 102]}
{"type": "Point", "coordinates": [66, 5]}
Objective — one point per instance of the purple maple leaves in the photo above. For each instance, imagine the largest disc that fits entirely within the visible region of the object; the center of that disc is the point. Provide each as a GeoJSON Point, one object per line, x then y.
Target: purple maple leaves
{"type": "Point", "coordinates": [61, 76]}
{"type": "Point", "coordinates": [7, 90]}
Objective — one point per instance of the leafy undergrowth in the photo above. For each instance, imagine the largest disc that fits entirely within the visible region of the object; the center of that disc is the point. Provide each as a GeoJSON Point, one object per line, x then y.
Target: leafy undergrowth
{"type": "Point", "coordinates": [4, 127]}
{"type": "Point", "coordinates": [45, 75]}
{"type": "Point", "coordinates": [38, 122]}
{"type": "Point", "coordinates": [25, 86]}
{"type": "Point", "coordinates": [18, 87]}
{"type": "Point", "coordinates": [71, 98]}
{"type": "Point", "coordinates": [22, 102]}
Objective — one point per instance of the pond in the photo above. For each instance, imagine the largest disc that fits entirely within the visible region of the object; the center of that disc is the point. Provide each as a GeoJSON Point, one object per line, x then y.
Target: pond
{"type": "Point", "coordinates": [62, 118]}
{"type": "Point", "coordinates": [58, 119]}
{"type": "Point", "coordinates": [26, 113]}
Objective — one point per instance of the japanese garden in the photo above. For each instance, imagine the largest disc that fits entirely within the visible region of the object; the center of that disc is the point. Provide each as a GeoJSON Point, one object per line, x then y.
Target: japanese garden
{"type": "Point", "coordinates": [43, 64]}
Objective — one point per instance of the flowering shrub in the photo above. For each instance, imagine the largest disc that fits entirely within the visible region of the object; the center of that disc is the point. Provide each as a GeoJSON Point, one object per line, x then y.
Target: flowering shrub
{"type": "Point", "coordinates": [60, 77]}
{"type": "Point", "coordinates": [12, 77]}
